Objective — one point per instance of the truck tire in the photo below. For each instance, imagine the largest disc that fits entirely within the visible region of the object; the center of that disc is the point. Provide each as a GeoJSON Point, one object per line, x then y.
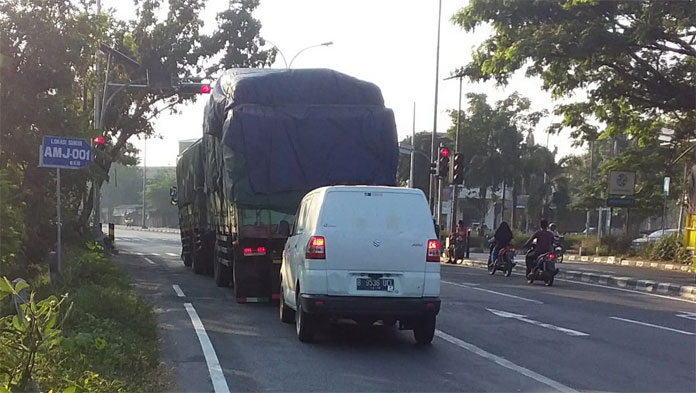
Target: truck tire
{"type": "Point", "coordinates": [221, 272]}
{"type": "Point", "coordinates": [424, 330]}
{"type": "Point", "coordinates": [197, 264]}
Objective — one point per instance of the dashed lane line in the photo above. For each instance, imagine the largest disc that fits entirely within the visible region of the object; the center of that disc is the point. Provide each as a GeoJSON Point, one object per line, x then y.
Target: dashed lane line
{"type": "Point", "coordinates": [505, 363]}
{"type": "Point", "coordinates": [494, 292]}
{"type": "Point", "coordinates": [148, 260]}
{"type": "Point", "coordinates": [653, 326]}
{"type": "Point", "coordinates": [178, 291]}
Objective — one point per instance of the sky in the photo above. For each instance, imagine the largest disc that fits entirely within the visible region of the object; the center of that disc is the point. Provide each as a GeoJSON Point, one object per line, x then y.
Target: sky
{"type": "Point", "coordinates": [391, 43]}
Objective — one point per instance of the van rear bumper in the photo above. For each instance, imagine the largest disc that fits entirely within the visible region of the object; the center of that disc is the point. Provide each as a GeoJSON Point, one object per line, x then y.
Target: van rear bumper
{"type": "Point", "coordinates": [363, 306]}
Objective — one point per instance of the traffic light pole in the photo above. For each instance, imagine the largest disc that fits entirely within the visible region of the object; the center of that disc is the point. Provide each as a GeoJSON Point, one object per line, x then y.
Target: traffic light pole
{"type": "Point", "coordinates": [455, 187]}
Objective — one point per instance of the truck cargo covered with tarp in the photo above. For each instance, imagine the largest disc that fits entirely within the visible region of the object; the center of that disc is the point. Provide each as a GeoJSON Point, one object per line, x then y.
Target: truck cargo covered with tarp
{"type": "Point", "coordinates": [286, 132]}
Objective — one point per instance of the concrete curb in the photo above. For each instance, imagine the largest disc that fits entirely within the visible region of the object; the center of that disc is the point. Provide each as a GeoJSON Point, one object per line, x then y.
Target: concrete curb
{"type": "Point", "coordinates": [160, 230]}
{"type": "Point", "coordinates": [629, 262]}
{"type": "Point", "coordinates": [681, 291]}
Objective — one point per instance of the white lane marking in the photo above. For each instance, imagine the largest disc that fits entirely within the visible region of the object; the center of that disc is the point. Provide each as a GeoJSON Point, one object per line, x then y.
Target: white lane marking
{"type": "Point", "coordinates": [178, 291]}
{"type": "Point", "coordinates": [626, 290]}
{"type": "Point", "coordinates": [655, 326]}
{"type": "Point", "coordinates": [211, 359]}
{"type": "Point", "coordinates": [149, 261]}
{"type": "Point", "coordinates": [138, 253]}
{"type": "Point", "coordinates": [523, 318]}
{"type": "Point", "coordinates": [605, 287]}
{"type": "Point", "coordinates": [504, 362]}
{"type": "Point", "coordinates": [154, 254]}
{"type": "Point", "coordinates": [688, 315]}
{"type": "Point", "coordinates": [489, 291]}
{"type": "Point", "coordinates": [171, 254]}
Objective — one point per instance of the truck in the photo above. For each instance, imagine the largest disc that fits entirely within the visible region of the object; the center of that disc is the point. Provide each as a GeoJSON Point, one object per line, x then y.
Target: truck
{"type": "Point", "coordinates": [269, 137]}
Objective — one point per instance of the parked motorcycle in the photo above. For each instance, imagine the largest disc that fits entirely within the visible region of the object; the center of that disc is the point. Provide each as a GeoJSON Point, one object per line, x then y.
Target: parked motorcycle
{"type": "Point", "coordinates": [504, 261]}
{"type": "Point", "coordinates": [544, 268]}
{"type": "Point", "coordinates": [456, 249]}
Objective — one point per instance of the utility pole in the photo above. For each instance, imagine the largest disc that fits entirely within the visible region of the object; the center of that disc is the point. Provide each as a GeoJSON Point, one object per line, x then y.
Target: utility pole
{"type": "Point", "coordinates": [455, 187]}
{"type": "Point", "coordinates": [413, 148]}
{"type": "Point", "coordinates": [587, 213]}
{"type": "Point", "coordinates": [433, 145]}
{"type": "Point", "coordinates": [97, 125]}
{"type": "Point", "coordinates": [144, 179]}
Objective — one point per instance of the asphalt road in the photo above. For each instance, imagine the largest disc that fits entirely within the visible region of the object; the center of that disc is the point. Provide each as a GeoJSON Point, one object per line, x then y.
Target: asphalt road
{"type": "Point", "coordinates": [494, 334]}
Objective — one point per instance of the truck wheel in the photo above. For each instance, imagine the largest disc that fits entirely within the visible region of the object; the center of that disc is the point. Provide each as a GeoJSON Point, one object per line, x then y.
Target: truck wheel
{"type": "Point", "coordinates": [287, 315]}
{"type": "Point", "coordinates": [221, 272]}
{"type": "Point", "coordinates": [304, 323]}
{"type": "Point", "coordinates": [197, 264]}
{"type": "Point", "coordinates": [424, 330]}
{"type": "Point", "coordinates": [187, 259]}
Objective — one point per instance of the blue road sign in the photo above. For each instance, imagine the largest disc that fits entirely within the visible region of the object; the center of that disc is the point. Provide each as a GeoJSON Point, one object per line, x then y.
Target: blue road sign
{"type": "Point", "coordinates": [66, 153]}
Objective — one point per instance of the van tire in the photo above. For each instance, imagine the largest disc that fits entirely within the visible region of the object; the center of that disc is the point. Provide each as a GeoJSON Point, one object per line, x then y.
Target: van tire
{"type": "Point", "coordinates": [424, 330]}
{"type": "Point", "coordinates": [287, 315]}
{"type": "Point", "coordinates": [304, 324]}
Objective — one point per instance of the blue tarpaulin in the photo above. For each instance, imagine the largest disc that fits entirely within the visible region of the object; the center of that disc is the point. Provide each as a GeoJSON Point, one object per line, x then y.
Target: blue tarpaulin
{"type": "Point", "coordinates": [296, 130]}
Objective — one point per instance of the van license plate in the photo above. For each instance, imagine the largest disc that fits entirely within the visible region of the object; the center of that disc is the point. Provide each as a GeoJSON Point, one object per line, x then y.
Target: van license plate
{"type": "Point", "coordinates": [376, 284]}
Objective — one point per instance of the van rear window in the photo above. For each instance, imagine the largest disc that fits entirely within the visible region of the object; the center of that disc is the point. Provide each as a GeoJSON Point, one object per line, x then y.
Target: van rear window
{"type": "Point", "coordinates": [375, 211]}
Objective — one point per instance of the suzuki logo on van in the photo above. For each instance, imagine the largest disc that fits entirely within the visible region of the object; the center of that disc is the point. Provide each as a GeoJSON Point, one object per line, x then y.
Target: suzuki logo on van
{"type": "Point", "coordinates": [376, 243]}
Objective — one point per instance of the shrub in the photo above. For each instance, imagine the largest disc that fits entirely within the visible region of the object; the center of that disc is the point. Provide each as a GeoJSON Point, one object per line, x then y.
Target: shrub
{"type": "Point", "coordinates": [668, 248]}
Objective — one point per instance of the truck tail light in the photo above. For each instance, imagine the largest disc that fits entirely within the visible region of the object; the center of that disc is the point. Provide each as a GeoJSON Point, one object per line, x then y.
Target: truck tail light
{"type": "Point", "coordinates": [550, 256]}
{"type": "Point", "coordinates": [433, 254]}
{"type": "Point", "coordinates": [256, 251]}
{"type": "Point", "coordinates": [316, 248]}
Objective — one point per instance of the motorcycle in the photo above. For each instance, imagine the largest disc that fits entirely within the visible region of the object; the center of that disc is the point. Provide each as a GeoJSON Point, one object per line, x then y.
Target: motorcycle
{"type": "Point", "coordinates": [456, 249]}
{"type": "Point", "coordinates": [544, 268]}
{"type": "Point", "coordinates": [505, 261]}
{"type": "Point", "coordinates": [558, 248]}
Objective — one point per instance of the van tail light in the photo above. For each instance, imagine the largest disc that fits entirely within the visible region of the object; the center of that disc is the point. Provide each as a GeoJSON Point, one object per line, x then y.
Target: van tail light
{"type": "Point", "coordinates": [255, 251]}
{"type": "Point", "coordinates": [433, 254]}
{"type": "Point", "coordinates": [316, 248]}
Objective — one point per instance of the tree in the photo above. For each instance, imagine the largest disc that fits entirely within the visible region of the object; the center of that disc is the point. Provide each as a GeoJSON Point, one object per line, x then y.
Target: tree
{"type": "Point", "coordinates": [48, 80]}
{"type": "Point", "coordinates": [158, 199]}
{"type": "Point", "coordinates": [490, 139]}
{"type": "Point", "coordinates": [633, 61]}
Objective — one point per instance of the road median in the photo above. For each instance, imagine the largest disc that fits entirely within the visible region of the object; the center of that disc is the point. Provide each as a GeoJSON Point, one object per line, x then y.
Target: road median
{"type": "Point", "coordinates": [649, 286]}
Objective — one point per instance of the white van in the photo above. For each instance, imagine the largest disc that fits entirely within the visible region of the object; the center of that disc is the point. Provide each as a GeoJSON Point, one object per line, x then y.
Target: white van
{"type": "Point", "coordinates": [364, 253]}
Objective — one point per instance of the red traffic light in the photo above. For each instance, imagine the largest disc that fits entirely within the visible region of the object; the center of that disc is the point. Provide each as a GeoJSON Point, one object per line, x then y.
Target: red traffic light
{"type": "Point", "coordinates": [98, 140]}
{"type": "Point", "coordinates": [444, 152]}
{"type": "Point", "coordinates": [205, 89]}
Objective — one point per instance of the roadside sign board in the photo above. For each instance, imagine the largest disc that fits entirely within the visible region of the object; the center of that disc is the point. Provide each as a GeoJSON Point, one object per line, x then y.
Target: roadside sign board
{"type": "Point", "coordinates": [665, 186]}
{"type": "Point", "coordinates": [621, 183]}
{"type": "Point", "coordinates": [66, 153]}
{"type": "Point", "coordinates": [620, 202]}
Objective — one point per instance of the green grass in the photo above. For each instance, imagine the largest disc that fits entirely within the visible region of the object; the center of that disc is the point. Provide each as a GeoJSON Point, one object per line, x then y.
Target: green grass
{"type": "Point", "coordinates": [110, 338]}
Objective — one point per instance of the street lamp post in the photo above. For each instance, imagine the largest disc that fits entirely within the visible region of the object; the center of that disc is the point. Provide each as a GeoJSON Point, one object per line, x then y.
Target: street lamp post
{"type": "Point", "coordinates": [433, 181]}
{"type": "Point", "coordinates": [282, 56]}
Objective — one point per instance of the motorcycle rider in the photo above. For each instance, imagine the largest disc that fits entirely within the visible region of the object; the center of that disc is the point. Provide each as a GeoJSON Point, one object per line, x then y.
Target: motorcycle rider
{"type": "Point", "coordinates": [554, 230]}
{"type": "Point", "coordinates": [544, 244]}
{"type": "Point", "coordinates": [503, 237]}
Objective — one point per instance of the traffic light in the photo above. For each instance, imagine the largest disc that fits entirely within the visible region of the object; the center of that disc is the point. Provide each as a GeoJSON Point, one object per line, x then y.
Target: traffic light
{"type": "Point", "coordinates": [191, 88]}
{"type": "Point", "coordinates": [433, 168]}
{"type": "Point", "coordinates": [458, 177]}
{"type": "Point", "coordinates": [98, 143]}
{"type": "Point", "coordinates": [443, 162]}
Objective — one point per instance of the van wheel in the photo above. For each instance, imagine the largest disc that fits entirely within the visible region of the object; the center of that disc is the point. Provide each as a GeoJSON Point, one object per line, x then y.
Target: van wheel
{"type": "Point", "coordinates": [304, 323]}
{"type": "Point", "coordinates": [221, 272]}
{"type": "Point", "coordinates": [287, 315]}
{"type": "Point", "coordinates": [424, 330]}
